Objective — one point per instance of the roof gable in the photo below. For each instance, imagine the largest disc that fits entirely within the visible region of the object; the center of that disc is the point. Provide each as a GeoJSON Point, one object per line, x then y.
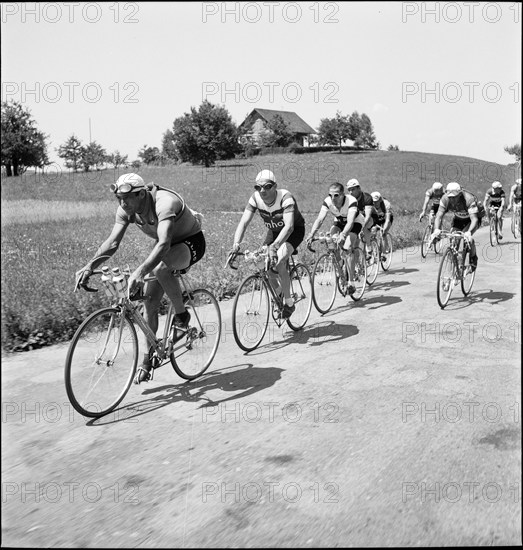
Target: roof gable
{"type": "Point", "coordinates": [296, 124]}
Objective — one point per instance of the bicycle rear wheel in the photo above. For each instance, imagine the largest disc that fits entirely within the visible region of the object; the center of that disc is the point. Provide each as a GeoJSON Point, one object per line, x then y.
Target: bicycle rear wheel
{"type": "Point", "coordinates": [360, 274]}
{"type": "Point", "coordinates": [324, 283]}
{"type": "Point", "coordinates": [469, 273]}
{"type": "Point", "coordinates": [373, 263]}
{"type": "Point", "coordinates": [301, 292]}
{"type": "Point", "coordinates": [193, 354]}
{"type": "Point", "coordinates": [386, 252]}
{"type": "Point", "coordinates": [425, 241]}
{"type": "Point", "coordinates": [101, 362]}
{"type": "Point", "coordinates": [250, 312]}
{"type": "Point", "coordinates": [446, 278]}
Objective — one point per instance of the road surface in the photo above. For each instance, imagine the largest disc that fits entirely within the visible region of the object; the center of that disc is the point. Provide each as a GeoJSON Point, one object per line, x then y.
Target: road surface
{"type": "Point", "coordinates": [385, 422]}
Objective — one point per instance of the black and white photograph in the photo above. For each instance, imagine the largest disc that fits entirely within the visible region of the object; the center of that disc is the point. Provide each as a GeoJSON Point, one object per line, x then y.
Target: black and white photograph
{"type": "Point", "coordinates": [261, 274]}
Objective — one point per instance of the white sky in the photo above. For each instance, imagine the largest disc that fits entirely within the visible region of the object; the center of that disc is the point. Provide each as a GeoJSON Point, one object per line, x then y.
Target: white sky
{"type": "Point", "coordinates": [377, 58]}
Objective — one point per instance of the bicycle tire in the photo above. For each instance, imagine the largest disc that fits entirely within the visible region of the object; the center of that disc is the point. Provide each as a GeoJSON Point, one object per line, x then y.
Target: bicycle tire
{"type": "Point", "coordinates": [446, 278]}
{"type": "Point", "coordinates": [374, 263]}
{"type": "Point", "coordinates": [493, 231]}
{"type": "Point", "coordinates": [324, 283]}
{"type": "Point", "coordinates": [200, 343]}
{"type": "Point", "coordinates": [250, 312]}
{"type": "Point", "coordinates": [468, 274]}
{"type": "Point", "coordinates": [425, 241]}
{"type": "Point", "coordinates": [101, 378]}
{"type": "Point", "coordinates": [360, 275]}
{"type": "Point", "coordinates": [385, 264]}
{"type": "Point", "coordinates": [301, 291]}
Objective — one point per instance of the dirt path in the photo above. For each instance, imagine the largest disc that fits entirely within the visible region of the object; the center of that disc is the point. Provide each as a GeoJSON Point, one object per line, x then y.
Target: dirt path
{"type": "Point", "coordinates": [387, 422]}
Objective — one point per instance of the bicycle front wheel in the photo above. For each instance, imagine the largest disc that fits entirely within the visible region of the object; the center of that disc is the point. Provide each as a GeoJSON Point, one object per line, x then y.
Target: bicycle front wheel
{"type": "Point", "coordinates": [373, 263]}
{"type": "Point", "coordinates": [425, 241]}
{"type": "Point", "coordinates": [250, 312]}
{"type": "Point", "coordinates": [493, 231]}
{"type": "Point", "coordinates": [446, 278]}
{"type": "Point", "coordinates": [192, 355]}
{"type": "Point", "coordinates": [301, 292]}
{"type": "Point", "coordinates": [101, 362]}
{"type": "Point", "coordinates": [469, 273]}
{"type": "Point", "coordinates": [324, 283]}
{"type": "Point", "coordinates": [386, 252]}
{"type": "Point", "coordinates": [360, 274]}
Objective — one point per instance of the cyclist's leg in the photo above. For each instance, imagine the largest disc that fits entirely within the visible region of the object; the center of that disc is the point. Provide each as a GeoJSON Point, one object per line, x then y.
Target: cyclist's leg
{"type": "Point", "coordinates": [335, 229]}
{"type": "Point", "coordinates": [465, 226]}
{"type": "Point", "coordinates": [500, 222]}
{"type": "Point", "coordinates": [284, 253]}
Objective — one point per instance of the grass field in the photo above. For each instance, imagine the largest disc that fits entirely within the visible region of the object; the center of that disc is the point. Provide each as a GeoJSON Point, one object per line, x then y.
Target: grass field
{"type": "Point", "coordinates": [53, 224]}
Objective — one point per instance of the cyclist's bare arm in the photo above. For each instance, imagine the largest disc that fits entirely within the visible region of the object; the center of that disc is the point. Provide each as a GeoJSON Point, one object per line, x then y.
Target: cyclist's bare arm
{"type": "Point", "coordinates": [351, 216]}
{"type": "Point", "coordinates": [473, 223]}
{"type": "Point", "coordinates": [368, 214]}
{"type": "Point", "coordinates": [425, 204]}
{"type": "Point", "coordinates": [166, 232]}
{"type": "Point", "coordinates": [105, 250]}
{"type": "Point", "coordinates": [438, 219]}
{"type": "Point", "coordinates": [288, 227]}
{"type": "Point", "coordinates": [242, 226]}
{"type": "Point", "coordinates": [317, 223]}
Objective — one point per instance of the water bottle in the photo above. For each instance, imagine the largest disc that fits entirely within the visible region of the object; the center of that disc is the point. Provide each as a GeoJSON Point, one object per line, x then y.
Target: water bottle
{"type": "Point", "coordinates": [120, 282]}
{"type": "Point", "coordinates": [107, 281]}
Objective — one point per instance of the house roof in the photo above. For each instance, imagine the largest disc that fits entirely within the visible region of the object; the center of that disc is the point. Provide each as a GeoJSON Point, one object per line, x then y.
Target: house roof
{"type": "Point", "coordinates": [296, 124]}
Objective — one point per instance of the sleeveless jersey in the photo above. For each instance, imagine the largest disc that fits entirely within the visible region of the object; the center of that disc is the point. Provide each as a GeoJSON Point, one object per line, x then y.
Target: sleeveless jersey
{"type": "Point", "coordinates": [272, 216]}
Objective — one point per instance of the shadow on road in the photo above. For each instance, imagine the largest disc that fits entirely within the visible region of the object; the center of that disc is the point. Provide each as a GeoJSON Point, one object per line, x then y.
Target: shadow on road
{"type": "Point", "coordinates": [386, 285]}
{"type": "Point", "coordinates": [314, 335]}
{"type": "Point", "coordinates": [381, 300]}
{"type": "Point", "coordinates": [243, 379]}
{"type": "Point", "coordinates": [402, 270]}
{"type": "Point", "coordinates": [489, 296]}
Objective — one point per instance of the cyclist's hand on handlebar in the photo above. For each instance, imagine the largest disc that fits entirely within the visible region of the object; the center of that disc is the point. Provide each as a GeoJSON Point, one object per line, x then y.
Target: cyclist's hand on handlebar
{"type": "Point", "coordinates": [435, 235]}
{"type": "Point", "coordinates": [467, 236]}
{"type": "Point", "coordinates": [421, 216]}
{"type": "Point", "coordinates": [135, 283]}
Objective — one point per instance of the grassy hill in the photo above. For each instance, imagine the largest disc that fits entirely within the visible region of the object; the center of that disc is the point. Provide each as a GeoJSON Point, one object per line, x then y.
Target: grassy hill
{"type": "Point", "coordinates": [52, 225]}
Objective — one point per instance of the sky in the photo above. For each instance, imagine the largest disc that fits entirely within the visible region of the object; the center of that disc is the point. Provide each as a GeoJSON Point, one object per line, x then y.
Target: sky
{"type": "Point", "coordinates": [432, 76]}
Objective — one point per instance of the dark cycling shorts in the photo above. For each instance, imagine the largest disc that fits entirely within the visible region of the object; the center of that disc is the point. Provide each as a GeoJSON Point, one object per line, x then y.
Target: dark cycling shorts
{"type": "Point", "coordinates": [434, 208]}
{"type": "Point", "coordinates": [196, 245]}
{"type": "Point", "coordinates": [294, 239]}
{"type": "Point", "coordinates": [381, 221]}
{"type": "Point", "coordinates": [356, 226]}
{"type": "Point", "coordinates": [463, 224]}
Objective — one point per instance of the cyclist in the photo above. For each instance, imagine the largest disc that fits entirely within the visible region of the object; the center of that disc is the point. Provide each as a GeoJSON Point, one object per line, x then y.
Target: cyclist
{"type": "Point", "coordinates": [515, 195]}
{"type": "Point", "coordinates": [345, 210]}
{"type": "Point", "coordinates": [468, 213]}
{"type": "Point", "coordinates": [285, 228]}
{"type": "Point", "coordinates": [365, 206]}
{"type": "Point", "coordinates": [495, 198]}
{"type": "Point", "coordinates": [382, 215]}
{"type": "Point", "coordinates": [434, 193]}
{"type": "Point", "coordinates": [179, 243]}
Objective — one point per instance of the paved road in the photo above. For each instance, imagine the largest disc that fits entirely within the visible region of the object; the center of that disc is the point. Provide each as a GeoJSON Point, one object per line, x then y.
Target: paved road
{"type": "Point", "coordinates": [388, 422]}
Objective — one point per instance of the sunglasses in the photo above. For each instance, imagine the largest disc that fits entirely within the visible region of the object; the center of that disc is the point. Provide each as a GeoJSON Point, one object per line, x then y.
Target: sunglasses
{"type": "Point", "coordinates": [124, 188]}
{"type": "Point", "coordinates": [266, 187]}
{"type": "Point", "coordinates": [334, 195]}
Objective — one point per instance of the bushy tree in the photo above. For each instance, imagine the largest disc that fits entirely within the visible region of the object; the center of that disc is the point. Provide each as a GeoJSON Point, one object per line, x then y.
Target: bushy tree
{"type": "Point", "coordinates": [514, 150]}
{"type": "Point", "coordinates": [354, 126]}
{"type": "Point", "coordinates": [117, 160]}
{"type": "Point", "coordinates": [278, 133]}
{"type": "Point", "coordinates": [205, 135]}
{"type": "Point", "coordinates": [366, 137]}
{"type": "Point", "coordinates": [393, 148]}
{"type": "Point", "coordinates": [71, 152]}
{"type": "Point", "coordinates": [169, 146]}
{"type": "Point", "coordinates": [149, 155]}
{"type": "Point", "coordinates": [334, 131]}
{"type": "Point", "coordinates": [93, 156]}
{"type": "Point", "coordinates": [23, 145]}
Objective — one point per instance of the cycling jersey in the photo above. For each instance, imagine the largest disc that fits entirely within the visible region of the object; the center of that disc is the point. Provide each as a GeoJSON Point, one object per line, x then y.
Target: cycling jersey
{"type": "Point", "coordinates": [495, 198]}
{"type": "Point", "coordinates": [349, 203]}
{"type": "Point", "coordinates": [272, 216]}
{"type": "Point", "coordinates": [462, 205]}
{"type": "Point", "coordinates": [382, 207]}
{"type": "Point", "coordinates": [162, 204]}
{"type": "Point", "coordinates": [435, 195]}
{"type": "Point", "coordinates": [365, 199]}
{"type": "Point", "coordinates": [516, 190]}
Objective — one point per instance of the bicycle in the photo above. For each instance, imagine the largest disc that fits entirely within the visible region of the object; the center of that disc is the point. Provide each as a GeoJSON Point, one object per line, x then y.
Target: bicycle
{"type": "Point", "coordinates": [251, 307]}
{"type": "Point", "coordinates": [494, 226]}
{"type": "Point", "coordinates": [426, 243]}
{"type": "Point", "coordinates": [516, 220]}
{"type": "Point", "coordinates": [384, 243]}
{"type": "Point", "coordinates": [330, 274]}
{"type": "Point", "coordinates": [102, 358]}
{"type": "Point", "coordinates": [455, 267]}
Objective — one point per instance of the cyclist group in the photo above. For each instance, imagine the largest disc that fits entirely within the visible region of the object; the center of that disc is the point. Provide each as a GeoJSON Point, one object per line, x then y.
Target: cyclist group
{"type": "Point", "coordinates": [179, 241]}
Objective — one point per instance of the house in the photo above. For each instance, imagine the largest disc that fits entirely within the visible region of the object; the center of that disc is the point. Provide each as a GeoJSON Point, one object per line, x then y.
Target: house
{"type": "Point", "coordinates": [256, 122]}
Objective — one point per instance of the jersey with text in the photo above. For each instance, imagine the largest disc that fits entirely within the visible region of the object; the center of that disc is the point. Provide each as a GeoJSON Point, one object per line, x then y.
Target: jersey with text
{"type": "Point", "coordinates": [272, 216]}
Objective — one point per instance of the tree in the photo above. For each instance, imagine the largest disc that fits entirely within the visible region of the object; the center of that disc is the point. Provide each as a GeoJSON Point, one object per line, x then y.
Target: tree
{"type": "Point", "coordinates": [334, 131]}
{"type": "Point", "coordinates": [149, 155]}
{"type": "Point", "coordinates": [23, 145]}
{"type": "Point", "coordinates": [117, 160]}
{"type": "Point", "coordinates": [205, 135]}
{"type": "Point", "coordinates": [393, 148]}
{"type": "Point", "coordinates": [93, 156]}
{"type": "Point", "coordinates": [278, 133]}
{"type": "Point", "coordinates": [71, 152]}
{"type": "Point", "coordinates": [354, 126]}
{"type": "Point", "coordinates": [169, 146]}
{"type": "Point", "coordinates": [514, 150]}
{"type": "Point", "coordinates": [366, 137]}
